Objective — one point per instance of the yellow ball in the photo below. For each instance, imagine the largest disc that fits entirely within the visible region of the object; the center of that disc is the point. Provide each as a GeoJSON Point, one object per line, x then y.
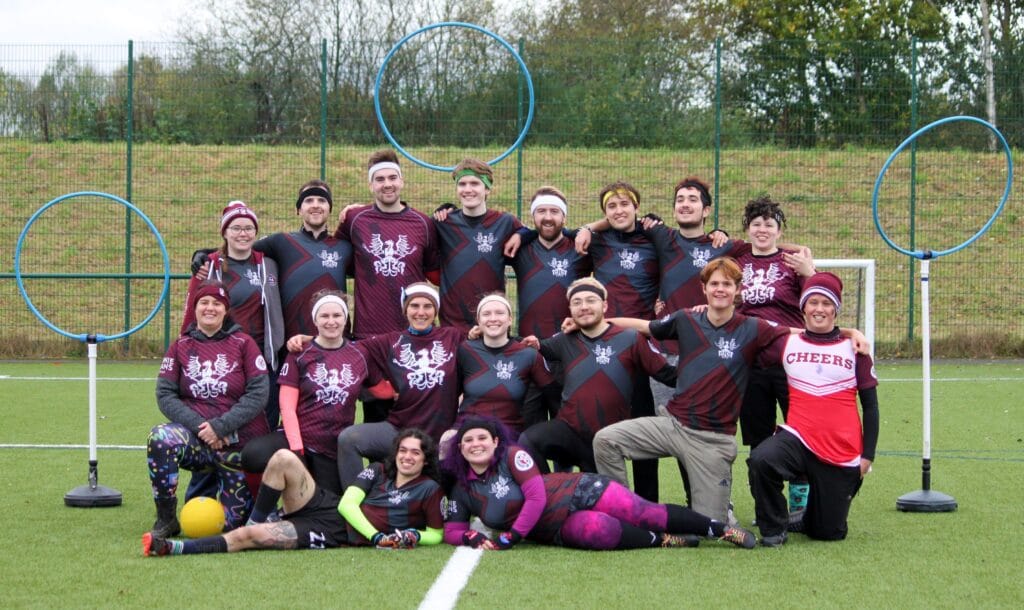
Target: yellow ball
{"type": "Point", "coordinates": [202, 517]}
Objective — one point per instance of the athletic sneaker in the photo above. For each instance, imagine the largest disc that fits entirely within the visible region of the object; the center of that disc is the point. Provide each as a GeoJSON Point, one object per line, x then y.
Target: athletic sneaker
{"type": "Point", "coordinates": [673, 541]}
{"type": "Point", "coordinates": [155, 546]}
{"type": "Point", "coordinates": [740, 537]}
{"type": "Point", "coordinates": [774, 541]}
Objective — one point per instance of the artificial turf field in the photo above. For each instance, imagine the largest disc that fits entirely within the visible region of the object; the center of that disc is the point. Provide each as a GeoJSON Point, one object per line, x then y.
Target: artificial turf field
{"type": "Point", "coordinates": [57, 557]}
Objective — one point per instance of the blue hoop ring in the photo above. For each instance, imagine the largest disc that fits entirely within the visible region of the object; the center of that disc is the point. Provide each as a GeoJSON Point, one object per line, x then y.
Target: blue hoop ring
{"type": "Point", "coordinates": [85, 337]}
{"type": "Point", "coordinates": [459, 24]}
{"type": "Point", "coordinates": [922, 254]}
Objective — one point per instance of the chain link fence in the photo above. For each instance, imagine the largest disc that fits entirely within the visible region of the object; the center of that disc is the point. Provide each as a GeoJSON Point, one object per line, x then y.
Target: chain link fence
{"type": "Point", "coordinates": [181, 130]}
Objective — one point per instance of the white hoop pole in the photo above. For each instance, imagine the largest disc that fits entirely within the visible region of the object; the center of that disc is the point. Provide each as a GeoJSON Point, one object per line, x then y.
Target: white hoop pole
{"type": "Point", "coordinates": [926, 371]}
{"type": "Point", "coordinates": [92, 406]}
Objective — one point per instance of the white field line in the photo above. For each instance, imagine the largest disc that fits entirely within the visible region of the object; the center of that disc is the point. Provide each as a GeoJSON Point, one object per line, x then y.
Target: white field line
{"type": "Point", "coordinates": [952, 379]}
{"type": "Point", "coordinates": [12, 378]}
{"type": "Point", "coordinates": [452, 579]}
{"type": "Point", "coordinates": [881, 379]}
{"type": "Point", "coordinates": [56, 446]}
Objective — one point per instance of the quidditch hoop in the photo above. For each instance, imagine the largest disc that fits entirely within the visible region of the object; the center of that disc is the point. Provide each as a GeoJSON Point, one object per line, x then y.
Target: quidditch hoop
{"type": "Point", "coordinates": [458, 24]}
{"type": "Point", "coordinates": [84, 337]}
{"type": "Point", "coordinates": [922, 254]}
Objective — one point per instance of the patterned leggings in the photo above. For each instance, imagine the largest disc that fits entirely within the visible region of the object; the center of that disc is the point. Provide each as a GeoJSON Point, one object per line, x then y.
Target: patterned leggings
{"type": "Point", "coordinates": [601, 527]}
{"type": "Point", "coordinates": [172, 446]}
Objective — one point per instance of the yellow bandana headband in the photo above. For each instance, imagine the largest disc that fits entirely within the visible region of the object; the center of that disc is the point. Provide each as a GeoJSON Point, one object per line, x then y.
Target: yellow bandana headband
{"type": "Point", "coordinates": [619, 191]}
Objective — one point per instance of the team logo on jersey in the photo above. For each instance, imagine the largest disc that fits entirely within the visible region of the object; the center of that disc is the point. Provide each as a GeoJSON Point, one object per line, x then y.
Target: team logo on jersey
{"type": "Point", "coordinates": [628, 259]}
{"type": "Point", "coordinates": [758, 285]}
{"type": "Point", "coordinates": [208, 376]}
{"type": "Point", "coordinates": [389, 254]}
{"type": "Point", "coordinates": [167, 365]}
{"type": "Point", "coordinates": [254, 277]}
{"type": "Point", "coordinates": [603, 354]}
{"type": "Point", "coordinates": [726, 349]}
{"type": "Point", "coordinates": [523, 461]}
{"type": "Point", "coordinates": [559, 267]}
{"type": "Point", "coordinates": [423, 365]}
{"type": "Point", "coordinates": [450, 508]}
{"type": "Point", "coordinates": [504, 369]}
{"type": "Point", "coordinates": [271, 279]}
{"type": "Point", "coordinates": [329, 260]}
{"type": "Point", "coordinates": [500, 488]}
{"type": "Point", "coordinates": [333, 384]}
{"type": "Point", "coordinates": [366, 474]}
{"type": "Point", "coordinates": [397, 496]}
{"type": "Point", "coordinates": [485, 242]}
{"type": "Point", "coordinates": [261, 364]}
{"type": "Point", "coordinates": [700, 257]}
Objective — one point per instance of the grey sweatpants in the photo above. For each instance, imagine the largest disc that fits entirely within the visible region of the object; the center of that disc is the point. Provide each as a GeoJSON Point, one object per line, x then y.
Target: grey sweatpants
{"type": "Point", "coordinates": [707, 456]}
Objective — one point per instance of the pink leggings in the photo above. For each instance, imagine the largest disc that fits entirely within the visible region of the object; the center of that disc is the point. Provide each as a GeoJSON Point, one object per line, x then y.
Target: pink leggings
{"type": "Point", "coordinates": [601, 527]}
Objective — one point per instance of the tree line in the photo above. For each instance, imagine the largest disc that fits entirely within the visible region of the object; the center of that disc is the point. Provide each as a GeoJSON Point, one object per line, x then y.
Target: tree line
{"type": "Point", "coordinates": [653, 73]}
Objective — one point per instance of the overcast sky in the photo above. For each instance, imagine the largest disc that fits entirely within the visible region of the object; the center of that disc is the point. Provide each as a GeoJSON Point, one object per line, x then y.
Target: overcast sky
{"type": "Point", "coordinates": [89, 21]}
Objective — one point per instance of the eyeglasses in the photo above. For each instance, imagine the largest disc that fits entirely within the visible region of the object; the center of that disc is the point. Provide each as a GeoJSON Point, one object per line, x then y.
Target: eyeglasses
{"type": "Point", "coordinates": [237, 230]}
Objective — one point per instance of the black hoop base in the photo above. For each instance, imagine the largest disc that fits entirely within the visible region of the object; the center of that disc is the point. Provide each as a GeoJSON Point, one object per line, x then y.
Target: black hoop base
{"type": "Point", "coordinates": [92, 495]}
{"type": "Point", "coordinates": [87, 496]}
{"type": "Point", "coordinates": [926, 501]}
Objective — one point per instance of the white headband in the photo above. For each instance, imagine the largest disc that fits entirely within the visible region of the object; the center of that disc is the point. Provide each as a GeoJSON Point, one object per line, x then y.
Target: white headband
{"type": "Point", "coordinates": [329, 298]}
{"type": "Point", "coordinates": [493, 298]}
{"type": "Point", "coordinates": [376, 167]}
{"type": "Point", "coordinates": [549, 200]}
{"type": "Point", "coordinates": [423, 290]}
{"type": "Point", "coordinates": [825, 292]}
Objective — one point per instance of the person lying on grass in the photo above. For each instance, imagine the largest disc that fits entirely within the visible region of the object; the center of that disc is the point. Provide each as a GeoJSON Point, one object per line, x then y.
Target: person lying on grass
{"type": "Point", "coordinates": [392, 505]}
{"type": "Point", "coordinates": [500, 483]}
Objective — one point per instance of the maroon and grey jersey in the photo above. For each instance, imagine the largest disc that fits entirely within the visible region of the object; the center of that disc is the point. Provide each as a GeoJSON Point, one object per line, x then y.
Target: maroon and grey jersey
{"type": "Point", "coordinates": [543, 276]}
{"type": "Point", "coordinates": [497, 496]}
{"type": "Point", "coordinates": [329, 381]}
{"type": "Point", "coordinates": [770, 289]}
{"type": "Point", "coordinates": [681, 260]}
{"type": "Point", "coordinates": [714, 365]}
{"type": "Point", "coordinates": [627, 265]}
{"type": "Point", "coordinates": [417, 504]}
{"type": "Point", "coordinates": [494, 380]}
{"type": "Point", "coordinates": [390, 251]}
{"type": "Point", "coordinates": [599, 375]}
{"type": "Point", "coordinates": [472, 262]}
{"type": "Point", "coordinates": [422, 370]}
{"type": "Point", "coordinates": [306, 265]}
{"type": "Point", "coordinates": [212, 375]}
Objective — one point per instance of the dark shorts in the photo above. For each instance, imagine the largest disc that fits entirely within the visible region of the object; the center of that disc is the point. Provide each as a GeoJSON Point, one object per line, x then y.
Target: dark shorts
{"type": "Point", "coordinates": [318, 524]}
{"type": "Point", "coordinates": [589, 490]}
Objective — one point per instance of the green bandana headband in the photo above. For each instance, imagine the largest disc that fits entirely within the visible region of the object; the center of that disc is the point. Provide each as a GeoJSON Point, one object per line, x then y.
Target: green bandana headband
{"type": "Point", "coordinates": [468, 172]}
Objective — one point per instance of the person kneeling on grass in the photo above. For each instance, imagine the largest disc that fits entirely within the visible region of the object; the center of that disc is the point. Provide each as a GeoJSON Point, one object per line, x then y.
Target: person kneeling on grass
{"type": "Point", "coordinates": [500, 483]}
{"type": "Point", "coordinates": [823, 438]}
{"type": "Point", "coordinates": [396, 504]}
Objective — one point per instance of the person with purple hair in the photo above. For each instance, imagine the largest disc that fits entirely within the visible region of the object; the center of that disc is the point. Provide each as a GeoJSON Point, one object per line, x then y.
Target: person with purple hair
{"type": "Point", "coordinates": [499, 482]}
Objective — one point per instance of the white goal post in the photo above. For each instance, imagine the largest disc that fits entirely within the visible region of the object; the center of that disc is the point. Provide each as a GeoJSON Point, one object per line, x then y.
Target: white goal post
{"type": "Point", "coordinates": [867, 265]}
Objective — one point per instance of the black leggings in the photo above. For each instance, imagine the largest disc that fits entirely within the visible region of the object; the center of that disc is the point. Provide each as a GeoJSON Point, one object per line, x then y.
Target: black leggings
{"type": "Point", "coordinates": [258, 452]}
{"type": "Point", "coordinates": [555, 440]}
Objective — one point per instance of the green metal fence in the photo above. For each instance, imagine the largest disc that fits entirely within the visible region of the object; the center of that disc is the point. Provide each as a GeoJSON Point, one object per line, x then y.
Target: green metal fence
{"type": "Point", "coordinates": [179, 131]}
